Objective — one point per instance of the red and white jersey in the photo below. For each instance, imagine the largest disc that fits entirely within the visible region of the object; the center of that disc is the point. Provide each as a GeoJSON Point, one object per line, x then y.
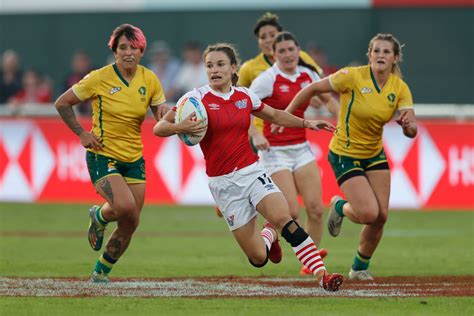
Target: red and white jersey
{"type": "Point", "coordinates": [277, 89]}
{"type": "Point", "coordinates": [226, 146]}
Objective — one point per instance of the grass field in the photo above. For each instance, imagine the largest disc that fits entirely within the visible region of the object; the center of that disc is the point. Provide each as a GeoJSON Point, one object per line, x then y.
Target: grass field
{"type": "Point", "coordinates": [49, 240]}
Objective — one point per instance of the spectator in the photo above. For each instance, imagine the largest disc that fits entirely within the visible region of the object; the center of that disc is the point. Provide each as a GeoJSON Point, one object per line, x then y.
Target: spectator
{"type": "Point", "coordinates": [193, 73]}
{"type": "Point", "coordinates": [10, 75]}
{"type": "Point", "coordinates": [166, 67]}
{"type": "Point", "coordinates": [80, 66]}
{"type": "Point", "coordinates": [35, 89]}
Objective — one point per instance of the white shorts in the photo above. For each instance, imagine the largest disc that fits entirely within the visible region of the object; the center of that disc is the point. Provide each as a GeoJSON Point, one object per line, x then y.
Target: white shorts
{"type": "Point", "coordinates": [237, 193]}
{"type": "Point", "coordinates": [291, 157]}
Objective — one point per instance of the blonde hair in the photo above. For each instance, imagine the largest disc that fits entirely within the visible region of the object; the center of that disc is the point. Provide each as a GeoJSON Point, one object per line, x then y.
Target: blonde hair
{"type": "Point", "coordinates": [397, 49]}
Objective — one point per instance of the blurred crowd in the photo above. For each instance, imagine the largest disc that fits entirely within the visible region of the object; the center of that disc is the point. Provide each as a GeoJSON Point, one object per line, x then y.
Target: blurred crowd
{"type": "Point", "coordinates": [28, 86]}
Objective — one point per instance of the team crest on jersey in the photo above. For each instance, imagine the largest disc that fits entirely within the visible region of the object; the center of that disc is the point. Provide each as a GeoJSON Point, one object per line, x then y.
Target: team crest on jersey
{"type": "Point", "coordinates": [230, 220]}
{"type": "Point", "coordinates": [284, 88]}
{"type": "Point", "coordinates": [115, 90]}
{"type": "Point", "coordinates": [214, 106]}
{"type": "Point", "coordinates": [142, 91]}
{"type": "Point", "coordinates": [391, 97]}
{"type": "Point", "coordinates": [304, 84]}
{"type": "Point", "coordinates": [241, 104]}
{"type": "Point", "coordinates": [365, 90]}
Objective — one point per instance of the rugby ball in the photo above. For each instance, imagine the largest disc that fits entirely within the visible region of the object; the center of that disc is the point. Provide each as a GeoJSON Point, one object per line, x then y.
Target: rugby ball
{"type": "Point", "coordinates": [184, 108]}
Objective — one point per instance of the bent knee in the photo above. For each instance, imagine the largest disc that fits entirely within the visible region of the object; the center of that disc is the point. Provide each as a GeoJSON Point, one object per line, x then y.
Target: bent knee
{"type": "Point", "coordinates": [129, 222]}
{"type": "Point", "coordinates": [124, 208]}
{"type": "Point", "coordinates": [368, 216]}
{"type": "Point", "coordinates": [315, 211]}
{"type": "Point", "coordinates": [382, 218]}
{"type": "Point", "coordinates": [258, 260]}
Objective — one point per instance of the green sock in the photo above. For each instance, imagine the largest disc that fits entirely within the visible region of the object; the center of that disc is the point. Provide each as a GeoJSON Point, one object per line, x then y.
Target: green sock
{"type": "Point", "coordinates": [338, 207]}
{"type": "Point", "coordinates": [100, 218]}
{"type": "Point", "coordinates": [361, 262]}
{"type": "Point", "coordinates": [104, 264]}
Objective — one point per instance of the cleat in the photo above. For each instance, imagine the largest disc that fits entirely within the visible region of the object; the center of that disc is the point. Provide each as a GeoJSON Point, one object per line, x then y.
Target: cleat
{"type": "Point", "coordinates": [96, 230]}
{"type": "Point", "coordinates": [275, 254]}
{"type": "Point", "coordinates": [99, 277]}
{"type": "Point", "coordinates": [362, 275]}
{"type": "Point", "coordinates": [334, 220]}
{"type": "Point", "coordinates": [305, 271]}
{"type": "Point", "coordinates": [332, 282]}
{"type": "Point", "coordinates": [218, 212]}
{"type": "Point", "coordinates": [323, 253]}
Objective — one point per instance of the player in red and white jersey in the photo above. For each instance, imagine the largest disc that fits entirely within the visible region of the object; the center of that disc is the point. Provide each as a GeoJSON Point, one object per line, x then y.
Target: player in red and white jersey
{"type": "Point", "coordinates": [289, 159]}
{"type": "Point", "coordinates": [237, 181]}
{"type": "Point", "coordinates": [225, 146]}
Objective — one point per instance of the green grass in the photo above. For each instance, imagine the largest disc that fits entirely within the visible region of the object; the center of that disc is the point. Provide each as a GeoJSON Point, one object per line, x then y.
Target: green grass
{"type": "Point", "coordinates": [191, 241]}
{"type": "Point", "coordinates": [245, 307]}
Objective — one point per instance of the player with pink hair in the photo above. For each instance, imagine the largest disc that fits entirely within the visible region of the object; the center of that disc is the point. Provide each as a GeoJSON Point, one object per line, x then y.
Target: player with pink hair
{"type": "Point", "coordinates": [121, 95]}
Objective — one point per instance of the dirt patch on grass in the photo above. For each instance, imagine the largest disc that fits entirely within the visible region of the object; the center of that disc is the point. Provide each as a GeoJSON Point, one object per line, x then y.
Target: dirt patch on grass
{"type": "Point", "coordinates": [233, 286]}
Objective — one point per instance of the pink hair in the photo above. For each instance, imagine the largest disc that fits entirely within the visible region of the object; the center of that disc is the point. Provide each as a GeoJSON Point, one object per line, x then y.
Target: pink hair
{"type": "Point", "coordinates": [132, 33]}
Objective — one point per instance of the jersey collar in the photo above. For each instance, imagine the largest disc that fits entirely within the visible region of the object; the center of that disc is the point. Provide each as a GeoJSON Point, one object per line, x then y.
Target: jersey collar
{"type": "Point", "coordinates": [117, 71]}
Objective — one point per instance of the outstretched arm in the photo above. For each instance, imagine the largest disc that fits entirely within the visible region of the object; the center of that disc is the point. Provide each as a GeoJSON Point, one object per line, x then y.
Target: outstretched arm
{"type": "Point", "coordinates": [286, 119]}
{"type": "Point", "coordinates": [315, 88]}
{"type": "Point", "coordinates": [64, 106]}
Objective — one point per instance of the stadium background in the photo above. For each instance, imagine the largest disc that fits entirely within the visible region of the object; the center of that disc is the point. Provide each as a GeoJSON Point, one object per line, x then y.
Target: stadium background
{"type": "Point", "coordinates": [433, 171]}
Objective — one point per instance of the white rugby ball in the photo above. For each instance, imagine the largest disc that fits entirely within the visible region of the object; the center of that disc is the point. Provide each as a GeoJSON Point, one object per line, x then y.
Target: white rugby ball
{"type": "Point", "coordinates": [184, 108]}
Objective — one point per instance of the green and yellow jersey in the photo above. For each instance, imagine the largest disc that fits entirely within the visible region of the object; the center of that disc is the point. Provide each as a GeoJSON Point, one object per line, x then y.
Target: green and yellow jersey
{"type": "Point", "coordinates": [119, 108]}
{"type": "Point", "coordinates": [255, 66]}
{"type": "Point", "coordinates": [364, 109]}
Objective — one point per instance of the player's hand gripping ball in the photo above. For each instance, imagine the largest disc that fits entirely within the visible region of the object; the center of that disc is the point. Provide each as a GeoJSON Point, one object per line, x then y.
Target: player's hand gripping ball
{"type": "Point", "coordinates": [186, 107]}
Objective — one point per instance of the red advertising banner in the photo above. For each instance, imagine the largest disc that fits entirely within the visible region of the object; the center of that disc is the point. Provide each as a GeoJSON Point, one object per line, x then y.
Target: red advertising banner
{"type": "Point", "coordinates": [422, 3]}
{"type": "Point", "coordinates": [42, 160]}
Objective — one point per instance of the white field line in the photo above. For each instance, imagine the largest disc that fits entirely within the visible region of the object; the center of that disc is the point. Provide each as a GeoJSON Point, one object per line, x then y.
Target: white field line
{"type": "Point", "coordinates": [49, 287]}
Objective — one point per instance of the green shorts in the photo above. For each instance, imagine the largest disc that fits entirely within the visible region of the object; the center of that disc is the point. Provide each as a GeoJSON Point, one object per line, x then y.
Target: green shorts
{"type": "Point", "coordinates": [101, 166]}
{"type": "Point", "coordinates": [345, 167]}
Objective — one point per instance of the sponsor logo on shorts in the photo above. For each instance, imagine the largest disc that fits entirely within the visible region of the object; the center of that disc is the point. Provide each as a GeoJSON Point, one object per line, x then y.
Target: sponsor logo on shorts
{"type": "Point", "coordinates": [111, 166]}
{"type": "Point", "coordinates": [230, 220]}
{"type": "Point", "coordinates": [269, 187]}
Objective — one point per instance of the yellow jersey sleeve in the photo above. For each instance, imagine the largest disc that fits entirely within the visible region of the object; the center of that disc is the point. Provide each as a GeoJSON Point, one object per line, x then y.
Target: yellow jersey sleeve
{"type": "Point", "coordinates": [406, 100]}
{"type": "Point", "coordinates": [87, 87]}
{"type": "Point", "coordinates": [157, 97]}
{"type": "Point", "coordinates": [309, 60]}
{"type": "Point", "coordinates": [245, 75]}
{"type": "Point", "coordinates": [342, 80]}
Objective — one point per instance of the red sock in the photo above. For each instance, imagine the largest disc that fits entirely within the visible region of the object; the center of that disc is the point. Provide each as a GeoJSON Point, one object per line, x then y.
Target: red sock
{"type": "Point", "coordinates": [268, 237]}
{"type": "Point", "coordinates": [308, 255]}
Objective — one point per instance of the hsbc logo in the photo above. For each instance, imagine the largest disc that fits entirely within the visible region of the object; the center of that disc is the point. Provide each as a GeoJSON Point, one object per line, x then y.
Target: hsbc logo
{"type": "Point", "coordinates": [26, 161]}
{"type": "Point", "coordinates": [187, 182]}
{"type": "Point", "coordinates": [417, 166]}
